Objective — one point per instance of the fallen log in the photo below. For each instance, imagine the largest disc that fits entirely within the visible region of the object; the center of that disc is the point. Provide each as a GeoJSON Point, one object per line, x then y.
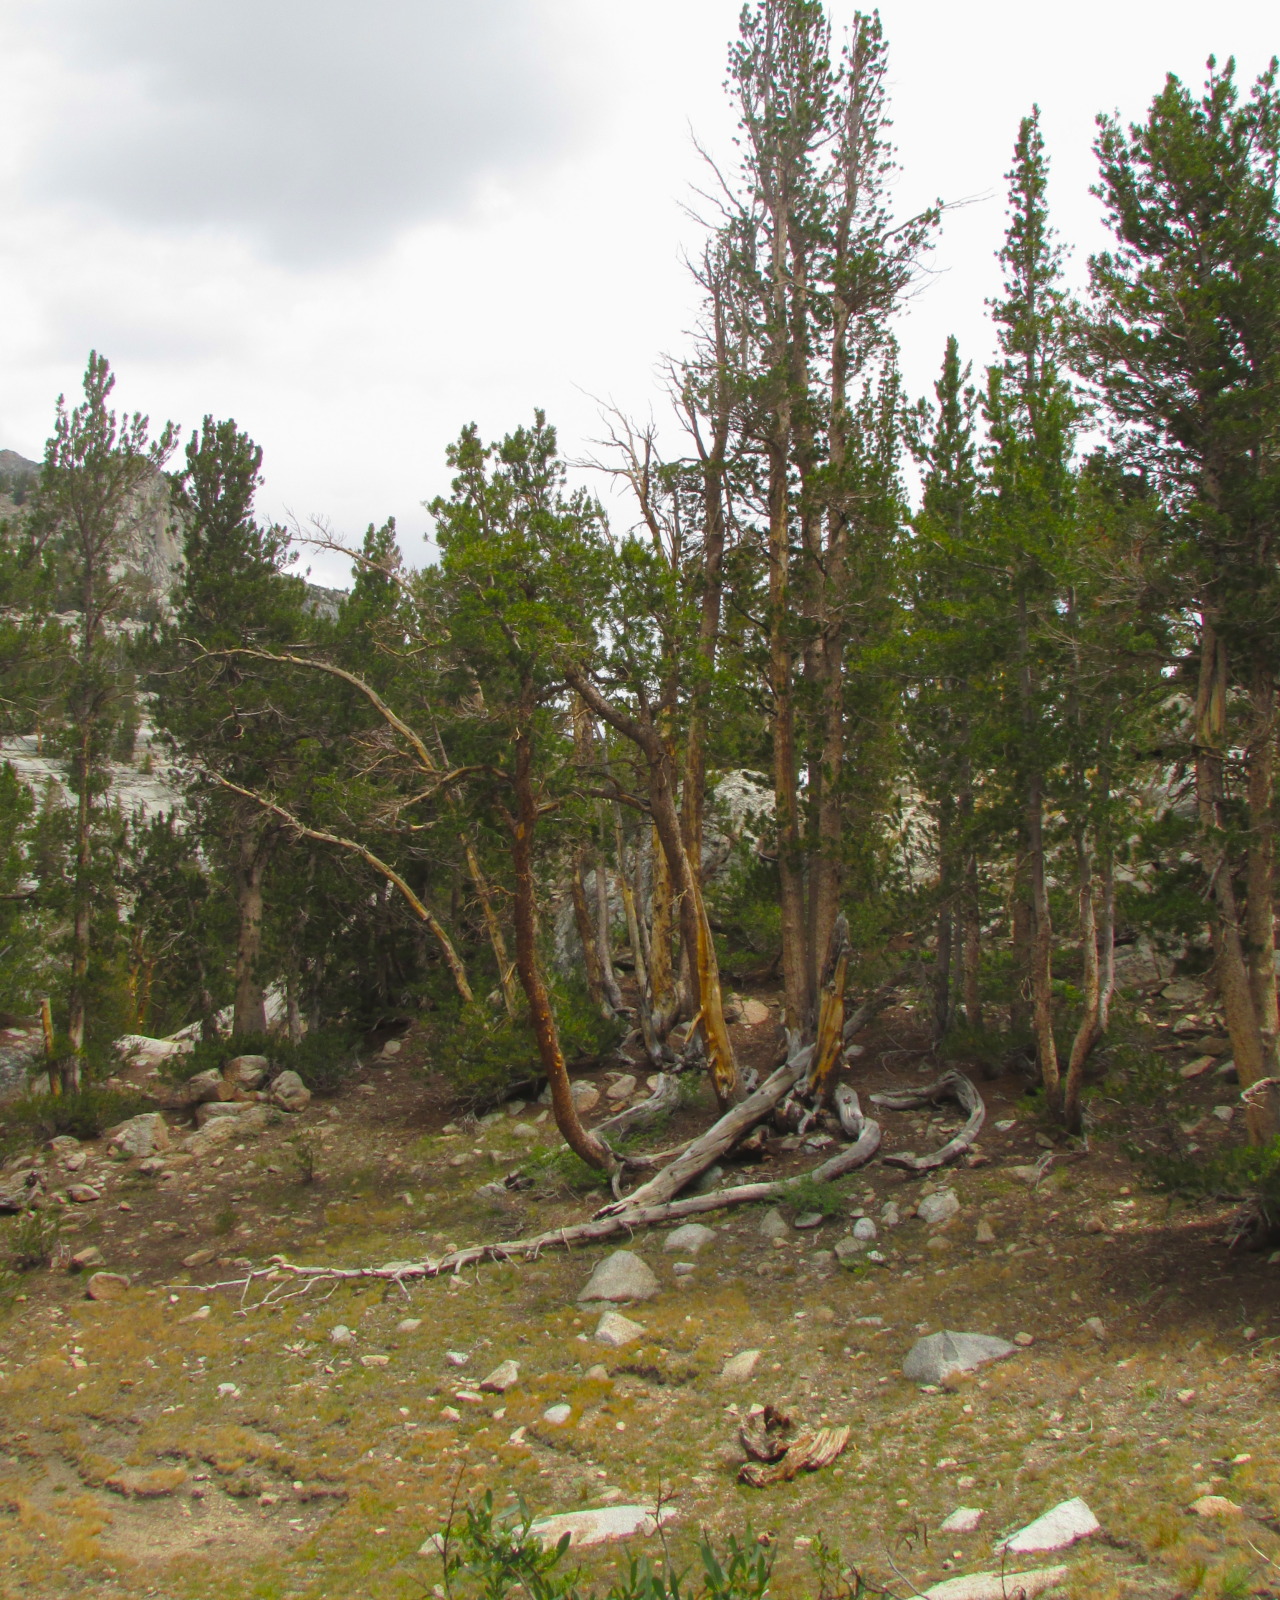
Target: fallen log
{"type": "Point", "coordinates": [950, 1086]}
{"type": "Point", "coordinates": [593, 1231]}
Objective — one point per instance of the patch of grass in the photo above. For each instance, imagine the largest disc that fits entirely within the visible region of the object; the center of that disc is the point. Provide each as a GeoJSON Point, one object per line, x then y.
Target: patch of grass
{"type": "Point", "coordinates": [225, 1220]}
{"type": "Point", "coordinates": [557, 1166]}
{"type": "Point", "coordinates": [809, 1195]}
{"type": "Point", "coordinates": [31, 1240]}
{"type": "Point", "coordinates": [33, 1118]}
{"type": "Point", "coordinates": [302, 1157]}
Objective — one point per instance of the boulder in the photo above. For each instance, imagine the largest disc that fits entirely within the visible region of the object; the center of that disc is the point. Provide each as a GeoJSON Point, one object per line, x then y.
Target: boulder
{"type": "Point", "coordinates": [773, 1225]}
{"type": "Point", "coordinates": [21, 1191]}
{"type": "Point", "coordinates": [83, 1194]}
{"type": "Point", "coordinates": [205, 1086]}
{"type": "Point", "coordinates": [600, 1526]}
{"type": "Point", "coordinates": [691, 1238]}
{"type": "Point", "coordinates": [737, 1369]}
{"type": "Point", "coordinates": [90, 1256]}
{"type": "Point", "coordinates": [1055, 1530]}
{"type": "Point", "coordinates": [621, 1088]}
{"type": "Point", "coordinates": [940, 1355]}
{"type": "Point", "coordinates": [503, 1377]}
{"type": "Point", "coordinates": [755, 1013]}
{"type": "Point", "coordinates": [557, 1415]}
{"type": "Point", "coordinates": [211, 1110]}
{"type": "Point", "coordinates": [63, 1145]}
{"type": "Point", "coordinates": [246, 1072]}
{"type": "Point", "coordinates": [1215, 1505]}
{"type": "Point", "coordinates": [616, 1330]}
{"type": "Point", "coordinates": [107, 1286]}
{"type": "Point", "coordinates": [290, 1093]}
{"type": "Point", "coordinates": [850, 1250]}
{"type": "Point", "coordinates": [864, 1228]}
{"type": "Point", "coordinates": [141, 1136]}
{"type": "Point", "coordinates": [936, 1208]}
{"type": "Point", "coordinates": [341, 1334]}
{"type": "Point", "coordinates": [621, 1276]}
{"type": "Point", "coordinates": [964, 1519]}
{"type": "Point", "coordinates": [586, 1097]}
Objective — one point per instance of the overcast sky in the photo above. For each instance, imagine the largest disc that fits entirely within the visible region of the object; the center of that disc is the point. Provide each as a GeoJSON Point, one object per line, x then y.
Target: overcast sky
{"type": "Point", "coordinates": [355, 225]}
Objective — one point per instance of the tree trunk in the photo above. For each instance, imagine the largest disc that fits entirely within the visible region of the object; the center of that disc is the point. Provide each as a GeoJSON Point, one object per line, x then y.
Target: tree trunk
{"type": "Point", "coordinates": [82, 912]}
{"type": "Point", "coordinates": [604, 943]}
{"type": "Point", "coordinates": [583, 1143]}
{"type": "Point", "coordinates": [970, 907]}
{"type": "Point", "coordinates": [1260, 933]}
{"type": "Point", "coordinates": [1087, 1032]}
{"type": "Point", "coordinates": [662, 984]}
{"type": "Point", "coordinates": [946, 924]}
{"type": "Point", "coordinates": [256, 848]}
{"type": "Point", "coordinates": [1253, 1059]}
{"type": "Point", "coordinates": [586, 933]}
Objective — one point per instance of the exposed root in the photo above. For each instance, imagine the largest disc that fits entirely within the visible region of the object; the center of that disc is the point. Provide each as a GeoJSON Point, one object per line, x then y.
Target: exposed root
{"type": "Point", "coordinates": [950, 1086]}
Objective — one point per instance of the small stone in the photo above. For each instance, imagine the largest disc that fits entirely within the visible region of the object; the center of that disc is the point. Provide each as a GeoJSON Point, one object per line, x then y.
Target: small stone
{"type": "Point", "coordinates": [932, 1359]}
{"type": "Point", "coordinates": [375, 1361]}
{"type": "Point", "coordinates": [936, 1208]}
{"type": "Point", "coordinates": [1249, 1333]}
{"type": "Point", "coordinates": [1059, 1527]}
{"type": "Point", "coordinates": [755, 1013]}
{"type": "Point", "coordinates": [597, 1374]}
{"type": "Point", "coordinates": [1096, 1327]}
{"type": "Point", "coordinates": [290, 1093]}
{"type": "Point", "coordinates": [1198, 1067]}
{"type": "Point", "coordinates": [621, 1088]}
{"type": "Point", "coordinates": [503, 1377]}
{"type": "Point", "coordinates": [809, 1219]}
{"type": "Point", "coordinates": [985, 1233]}
{"type": "Point", "coordinates": [107, 1286]}
{"type": "Point", "coordinates": [708, 1181]}
{"type": "Point", "coordinates": [198, 1258]}
{"type": "Point", "coordinates": [773, 1225]}
{"type": "Point", "coordinates": [998, 1585]}
{"type": "Point", "coordinates": [341, 1334]}
{"type": "Point", "coordinates": [1023, 1339]}
{"type": "Point", "coordinates": [228, 1391]}
{"type": "Point", "coordinates": [864, 1228]}
{"type": "Point", "coordinates": [1186, 1397]}
{"type": "Point", "coordinates": [456, 1358]}
{"type": "Point", "coordinates": [75, 1159]}
{"type": "Point", "coordinates": [1094, 1224]}
{"type": "Point", "coordinates": [1224, 1113]}
{"type": "Point", "coordinates": [691, 1238]}
{"type": "Point", "coordinates": [392, 1048]}
{"type": "Point", "coordinates": [90, 1256]}
{"type": "Point", "coordinates": [147, 1485]}
{"type": "Point", "coordinates": [616, 1330]}
{"type": "Point", "coordinates": [557, 1415]}
{"type": "Point", "coordinates": [1215, 1505]}
{"type": "Point", "coordinates": [522, 1130]}
{"type": "Point", "coordinates": [151, 1167]}
{"type": "Point", "coordinates": [1028, 1175]}
{"type": "Point", "coordinates": [938, 1242]}
{"type": "Point", "coordinates": [586, 1097]}
{"type": "Point", "coordinates": [409, 1325]}
{"type": "Point", "coordinates": [964, 1519]}
{"type": "Point", "coordinates": [450, 1413]}
{"type": "Point", "coordinates": [621, 1276]}
{"type": "Point", "coordinates": [737, 1369]}
{"type": "Point", "coordinates": [850, 1250]}
{"type": "Point", "coordinates": [83, 1194]}
{"type": "Point", "coordinates": [890, 1216]}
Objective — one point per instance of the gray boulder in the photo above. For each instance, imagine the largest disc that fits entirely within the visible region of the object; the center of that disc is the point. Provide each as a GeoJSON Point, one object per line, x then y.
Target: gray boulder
{"type": "Point", "coordinates": [691, 1237]}
{"type": "Point", "coordinates": [141, 1136]}
{"type": "Point", "coordinates": [773, 1225]}
{"type": "Point", "coordinates": [290, 1093]}
{"type": "Point", "coordinates": [940, 1355]}
{"type": "Point", "coordinates": [212, 1110]}
{"type": "Point", "coordinates": [621, 1276]}
{"type": "Point", "coordinates": [940, 1207]}
{"type": "Point", "coordinates": [204, 1087]}
{"type": "Point", "coordinates": [247, 1072]}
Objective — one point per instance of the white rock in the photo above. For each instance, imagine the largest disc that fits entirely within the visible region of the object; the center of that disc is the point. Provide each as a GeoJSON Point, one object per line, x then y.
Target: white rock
{"type": "Point", "coordinates": [204, 1087]}
{"type": "Point", "coordinates": [211, 1110]}
{"type": "Point", "coordinates": [936, 1208]}
{"type": "Point", "coordinates": [773, 1225]}
{"type": "Point", "coordinates": [998, 1586]}
{"type": "Point", "coordinates": [601, 1525]}
{"type": "Point", "coordinates": [890, 1215]}
{"type": "Point", "coordinates": [621, 1088]}
{"type": "Point", "coordinates": [456, 1358]}
{"type": "Point", "coordinates": [1224, 1113]}
{"type": "Point", "coordinates": [755, 1013]}
{"type": "Point", "coordinates": [503, 1377]}
{"type": "Point", "coordinates": [141, 1136]}
{"type": "Point", "coordinates": [964, 1519]}
{"type": "Point", "coordinates": [737, 1369]}
{"type": "Point", "coordinates": [936, 1357]}
{"type": "Point", "coordinates": [247, 1071]}
{"type": "Point", "coordinates": [691, 1237]}
{"type": "Point", "coordinates": [409, 1325]}
{"type": "Point", "coordinates": [616, 1330]}
{"type": "Point", "coordinates": [557, 1416]}
{"type": "Point", "coordinates": [1055, 1530]}
{"type": "Point", "coordinates": [621, 1276]}
{"type": "Point", "coordinates": [864, 1228]}
{"type": "Point", "coordinates": [393, 1047]}
{"type": "Point", "coordinates": [341, 1334]}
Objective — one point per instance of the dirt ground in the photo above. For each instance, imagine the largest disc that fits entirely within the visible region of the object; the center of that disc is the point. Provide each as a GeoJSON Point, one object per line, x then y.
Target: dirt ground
{"type": "Point", "coordinates": [178, 1442]}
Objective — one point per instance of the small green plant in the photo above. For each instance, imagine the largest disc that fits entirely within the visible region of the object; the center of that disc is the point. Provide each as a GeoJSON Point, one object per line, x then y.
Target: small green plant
{"type": "Point", "coordinates": [558, 1166]}
{"type": "Point", "coordinates": [32, 1240]}
{"type": "Point", "coordinates": [1236, 1582]}
{"type": "Point", "coordinates": [806, 1194]}
{"type": "Point", "coordinates": [491, 1556]}
{"type": "Point", "coordinates": [225, 1220]}
{"type": "Point", "coordinates": [302, 1157]}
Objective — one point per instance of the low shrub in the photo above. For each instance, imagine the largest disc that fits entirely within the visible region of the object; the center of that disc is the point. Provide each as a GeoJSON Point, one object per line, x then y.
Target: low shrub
{"type": "Point", "coordinates": [90, 1111]}
{"type": "Point", "coordinates": [323, 1059]}
{"type": "Point", "coordinates": [31, 1240]}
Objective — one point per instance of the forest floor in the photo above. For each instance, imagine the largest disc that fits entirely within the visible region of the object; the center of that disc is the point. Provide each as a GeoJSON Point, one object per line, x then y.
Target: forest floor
{"type": "Point", "coordinates": [149, 1446]}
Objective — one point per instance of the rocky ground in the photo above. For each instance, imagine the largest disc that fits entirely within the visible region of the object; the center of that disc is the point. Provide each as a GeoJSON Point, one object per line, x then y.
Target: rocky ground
{"type": "Point", "coordinates": [180, 1440]}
